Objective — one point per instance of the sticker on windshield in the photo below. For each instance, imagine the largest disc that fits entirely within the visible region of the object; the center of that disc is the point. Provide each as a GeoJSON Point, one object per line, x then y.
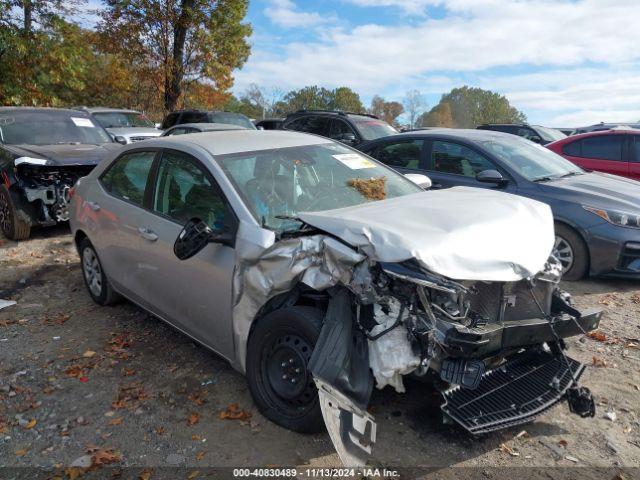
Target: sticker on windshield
{"type": "Point", "coordinates": [354, 161]}
{"type": "Point", "coordinates": [82, 122]}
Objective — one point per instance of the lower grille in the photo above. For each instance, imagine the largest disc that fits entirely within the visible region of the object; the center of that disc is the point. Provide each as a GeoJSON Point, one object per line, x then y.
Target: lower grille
{"type": "Point", "coordinates": [630, 258]}
{"type": "Point", "coordinates": [512, 394]}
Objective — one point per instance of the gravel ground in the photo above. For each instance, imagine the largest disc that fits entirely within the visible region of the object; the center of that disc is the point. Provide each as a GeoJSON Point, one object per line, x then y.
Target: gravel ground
{"type": "Point", "coordinates": [87, 385]}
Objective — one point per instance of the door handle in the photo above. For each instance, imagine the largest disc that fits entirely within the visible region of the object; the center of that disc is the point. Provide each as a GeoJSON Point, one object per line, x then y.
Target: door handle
{"type": "Point", "coordinates": [93, 206]}
{"type": "Point", "coordinates": [147, 234]}
{"type": "Point", "coordinates": [437, 185]}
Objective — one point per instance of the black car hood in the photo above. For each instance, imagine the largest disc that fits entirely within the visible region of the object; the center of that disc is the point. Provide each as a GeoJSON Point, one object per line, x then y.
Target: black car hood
{"type": "Point", "coordinates": [598, 190]}
{"type": "Point", "coordinates": [65, 155]}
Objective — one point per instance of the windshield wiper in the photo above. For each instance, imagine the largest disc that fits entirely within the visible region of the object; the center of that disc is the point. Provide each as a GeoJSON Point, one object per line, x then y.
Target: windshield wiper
{"type": "Point", "coordinates": [542, 179]}
{"type": "Point", "coordinates": [571, 174]}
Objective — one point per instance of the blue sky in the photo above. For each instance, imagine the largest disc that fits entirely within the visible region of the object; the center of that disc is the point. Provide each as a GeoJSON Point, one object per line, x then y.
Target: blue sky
{"type": "Point", "coordinates": [562, 62]}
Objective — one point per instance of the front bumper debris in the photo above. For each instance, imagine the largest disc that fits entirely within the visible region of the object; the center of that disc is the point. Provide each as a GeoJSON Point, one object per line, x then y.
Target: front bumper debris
{"type": "Point", "coordinates": [513, 393]}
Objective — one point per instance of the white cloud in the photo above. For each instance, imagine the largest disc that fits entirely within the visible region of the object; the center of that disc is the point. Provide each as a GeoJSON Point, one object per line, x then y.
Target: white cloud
{"type": "Point", "coordinates": [284, 13]}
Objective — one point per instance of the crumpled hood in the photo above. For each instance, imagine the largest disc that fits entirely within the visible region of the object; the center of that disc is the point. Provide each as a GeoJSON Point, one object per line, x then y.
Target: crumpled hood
{"type": "Point", "coordinates": [462, 233]}
{"type": "Point", "coordinates": [66, 155]}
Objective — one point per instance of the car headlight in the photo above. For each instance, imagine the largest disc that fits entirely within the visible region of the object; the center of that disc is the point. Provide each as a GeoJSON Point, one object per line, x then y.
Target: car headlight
{"type": "Point", "coordinates": [616, 217]}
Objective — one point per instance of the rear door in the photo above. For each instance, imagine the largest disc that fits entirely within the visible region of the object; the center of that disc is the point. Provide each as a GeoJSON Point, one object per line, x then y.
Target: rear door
{"type": "Point", "coordinates": [451, 164]}
{"type": "Point", "coordinates": [603, 153]}
{"type": "Point", "coordinates": [194, 294]}
{"type": "Point", "coordinates": [117, 207]}
{"type": "Point", "coordinates": [634, 164]}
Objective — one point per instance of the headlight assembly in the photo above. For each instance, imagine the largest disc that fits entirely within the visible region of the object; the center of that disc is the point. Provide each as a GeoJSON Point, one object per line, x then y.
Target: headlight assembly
{"type": "Point", "coordinates": [616, 217]}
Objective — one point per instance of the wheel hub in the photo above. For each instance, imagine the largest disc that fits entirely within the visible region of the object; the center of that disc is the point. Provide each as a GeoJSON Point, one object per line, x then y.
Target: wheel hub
{"type": "Point", "coordinates": [92, 271]}
{"type": "Point", "coordinates": [562, 251]}
{"type": "Point", "coordinates": [287, 367]}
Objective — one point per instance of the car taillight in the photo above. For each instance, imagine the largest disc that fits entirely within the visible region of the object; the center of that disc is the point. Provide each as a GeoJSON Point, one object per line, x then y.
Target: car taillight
{"type": "Point", "coordinates": [72, 192]}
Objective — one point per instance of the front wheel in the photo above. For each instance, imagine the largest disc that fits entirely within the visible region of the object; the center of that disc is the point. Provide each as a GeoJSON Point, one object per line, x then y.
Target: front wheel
{"type": "Point", "coordinates": [12, 226]}
{"type": "Point", "coordinates": [278, 355]}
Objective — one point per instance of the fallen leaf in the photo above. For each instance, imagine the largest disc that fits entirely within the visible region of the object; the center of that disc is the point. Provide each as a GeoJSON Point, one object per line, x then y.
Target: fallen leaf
{"type": "Point", "coordinates": [199, 456]}
{"type": "Point", "coordinates": [196, 438]}
{"type": "Point", "coordinates": [233, 412]}
{"type": "Point", "coordinates": [73, 473]}
{"type": "Point", "coordinates": [504, 448]}
{"type": "Point", "coordinates": [563, 443]}
{"type": "Point", "coordinates": [115, 421]}
{"type": "Point", "coordinates": [159, 430]}
{"type": "Point", "coordinates": [193, 475]}
{"type": "Point", "coordinates": [88, 354]}
{"type": "Point", "coordinates": [31, 424]}
{"type": "Point", "coordinates": [84, 379]}
{"type": "Point", "coordinates": [104, 457]}
{"type": "Point", "coordinates": [598, 336]}
{"type": "Point", "coordinates": [22, 452]}
{"type": "Point", "coordinates": [74, 371]}
{"type": "Point", "coordinates": [128, 372]}
{"type": "Point", "coordinates": [197, 397]}
{"type": "Point", "coordinates": [193, 419]}
{"type": "Point", "coordinates": [599, 362]}
{"type": "Point", "coordinates": [145, 475]}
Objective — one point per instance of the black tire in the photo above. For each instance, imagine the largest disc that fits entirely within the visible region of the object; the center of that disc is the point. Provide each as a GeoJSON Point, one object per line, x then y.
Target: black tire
{"type": "Point", "coordinates": [98, 284]}
{"type": "Point", "coordinates": [278, 353]}
{"type": "Point", "coordinates": [13, 227]}
{"type": "Point", "coordinates": [580, 264]}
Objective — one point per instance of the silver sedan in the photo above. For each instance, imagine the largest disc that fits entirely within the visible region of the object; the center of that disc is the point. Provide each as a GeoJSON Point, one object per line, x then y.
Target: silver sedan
{"type": "Point", "coordinates": [321, 273]}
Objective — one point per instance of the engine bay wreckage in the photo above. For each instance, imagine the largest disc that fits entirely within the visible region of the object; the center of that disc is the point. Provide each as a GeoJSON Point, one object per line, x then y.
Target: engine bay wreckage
{"type": "Point", "coordinates": [469, 299]}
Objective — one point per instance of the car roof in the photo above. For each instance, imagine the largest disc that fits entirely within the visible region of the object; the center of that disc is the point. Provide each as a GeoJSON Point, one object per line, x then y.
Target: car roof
{"type": "Point", "coordinates": [107, 110]}
{"type": "Point", "coordinates": [208, 126]}
{"type": "Point", "coordinates": [597, 133]}
{"type": "Point", "coordinates": [70, 111]}
{"type": "Point", "coordinates": [237, 141]}
{"type": "Point", "coordinates": [469, 134]}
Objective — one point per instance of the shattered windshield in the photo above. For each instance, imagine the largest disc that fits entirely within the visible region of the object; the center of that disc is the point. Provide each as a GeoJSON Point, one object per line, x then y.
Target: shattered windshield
{"type": "Point", "coordinates": [278, 184]}
{"type": "Point", "coordinates": [123, 119]}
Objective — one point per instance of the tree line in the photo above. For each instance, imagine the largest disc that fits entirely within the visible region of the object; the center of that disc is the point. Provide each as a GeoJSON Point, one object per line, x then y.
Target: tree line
{"type": "Point", "coordinates": [160, 55]}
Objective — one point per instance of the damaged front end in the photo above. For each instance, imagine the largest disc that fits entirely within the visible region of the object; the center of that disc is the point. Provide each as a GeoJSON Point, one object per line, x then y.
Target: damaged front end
{"type": "Point", "coordinates": [495, 349]}
{"type": "Point", "coordinates": [46, 190]}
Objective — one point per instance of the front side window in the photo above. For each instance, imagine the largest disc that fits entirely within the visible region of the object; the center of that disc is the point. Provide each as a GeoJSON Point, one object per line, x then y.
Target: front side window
{"type": "Point", "coordinates": [286, 181]}
{"type": "Point", "coordinates": [177, 131]}
{"type": "Point", "coordinates": [404, 154]}
{"type": "Point", "coordinates": [229, 118]}
{"type": "Point", "coordinates": [183, 191]}
{"type": "Point", "coordinates": [50, 128]}
{"type": "Point", "coordinates": [447, 157]}
{"type": "Point", "coordinates": [127, 176]}
{"type": "Point", "coordinates": [603, 147]}
{"type": "Point", "coordinates": [340, 129]}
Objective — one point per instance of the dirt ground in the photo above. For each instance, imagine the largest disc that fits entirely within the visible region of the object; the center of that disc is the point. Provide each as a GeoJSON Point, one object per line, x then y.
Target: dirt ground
{"type": "Point", "coordinates": [87, 385]}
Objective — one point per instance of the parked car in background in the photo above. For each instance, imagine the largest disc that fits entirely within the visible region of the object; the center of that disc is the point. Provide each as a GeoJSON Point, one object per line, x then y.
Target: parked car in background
{"type": "Point", "coordinates": [535, 133]}
{"type": "Point", "coordinates": [43, 152]}
{"type": "Point", "coordinates": [200, 116]}
{"type": "Point", "coordinates": [601, 127]}
{"type": "Point", "coordinates": [597, 216]}
{"type": "Point", "coordinates": [614, 151]}
{"type": "Point", "coordinates": [185, 128]}
{"type": "Point", "coordinates": [125, 126]}
{"type": "Point", "coordinates": [270, 123]}
{"type": "Point", "coordinates": [346, 127]}
{"type": "Point", "coordinates": [319, 272]}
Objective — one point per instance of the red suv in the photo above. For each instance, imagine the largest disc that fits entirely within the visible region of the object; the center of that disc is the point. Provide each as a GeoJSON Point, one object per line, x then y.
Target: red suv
{"type": "Point", "coordinates": [612, 151]}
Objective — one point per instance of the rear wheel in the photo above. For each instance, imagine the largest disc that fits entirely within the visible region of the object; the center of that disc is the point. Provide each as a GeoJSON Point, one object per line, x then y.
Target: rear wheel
{"type": "Point", "coordinates": [572, 252]}
{"type": "Point", "coordinates": [11, 225]}
{"type": "Point", "coordinates": [95, 279]}
{"type": "Point", "coordinates": [278, 354]}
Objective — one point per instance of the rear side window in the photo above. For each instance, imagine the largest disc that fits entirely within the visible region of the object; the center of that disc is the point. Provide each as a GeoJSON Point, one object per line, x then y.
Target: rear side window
{"type": "Point", "coordinates": [603, 147]}
{"type": "Point", "coordinates": [636, 141]}
{"type": "Point", "coordinates": [405, 154]}
{"type": "Point", "coordinates": [311, 124]}
{"type": "Point", "coordinates": [127, 176]}
{"type": "Point", "coordinates": [572, 149]}
{"type": "Point", "coordinates": [193, 117]}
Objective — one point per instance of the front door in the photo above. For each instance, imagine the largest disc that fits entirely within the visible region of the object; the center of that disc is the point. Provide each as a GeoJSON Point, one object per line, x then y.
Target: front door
{"type": "Point", "coordinates": [194, 294]}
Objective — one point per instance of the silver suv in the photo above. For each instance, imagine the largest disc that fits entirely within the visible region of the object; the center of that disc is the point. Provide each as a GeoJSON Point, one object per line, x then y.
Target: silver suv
{"type": "Point", "coordinates": [125, 126]}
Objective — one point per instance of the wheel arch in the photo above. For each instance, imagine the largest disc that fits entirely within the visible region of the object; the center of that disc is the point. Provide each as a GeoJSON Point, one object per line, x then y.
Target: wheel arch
{"type": "Point", "coordinates": [578, 231]}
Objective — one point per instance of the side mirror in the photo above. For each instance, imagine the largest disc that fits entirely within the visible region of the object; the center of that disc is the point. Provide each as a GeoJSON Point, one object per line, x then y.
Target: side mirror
{"type": "Point", "coordinates": [348, 138]}
{"type": "Point", "coordinates": [491, 176]}
{"type": "Point", "coordinates": [419, 179]}
{"type": "Point", "coordinates": [195, 235]}
{"type": "Point", "coordinates": [260, 127]}
{"type": "Point", "coordinates": [158, 126]}
{"type": "Point", "coordinates": [120, 140]}
{"type": "Point", "coordinates": [536, 139]}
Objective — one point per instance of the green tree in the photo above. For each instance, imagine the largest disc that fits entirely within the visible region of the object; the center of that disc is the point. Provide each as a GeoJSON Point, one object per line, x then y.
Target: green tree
{"type": "Point", "coordinates": [318, 98]}
{"type": "Point", "coordinates": [469, 107]}
{"type": "Point", "coordinates": [188, 41]}
{"type": "Point", "coordinates": [343, 98]}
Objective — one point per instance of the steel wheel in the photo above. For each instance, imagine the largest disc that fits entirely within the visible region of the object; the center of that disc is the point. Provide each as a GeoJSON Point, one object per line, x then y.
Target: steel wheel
{"type": "Point", "coordinates": [563, 251]}
{"type": "Point", "coordinates": [285, 369]}
{"type": "Point", "coordinates": [5, 215]}
{"type": "Point", "coordinates": [92, 271]}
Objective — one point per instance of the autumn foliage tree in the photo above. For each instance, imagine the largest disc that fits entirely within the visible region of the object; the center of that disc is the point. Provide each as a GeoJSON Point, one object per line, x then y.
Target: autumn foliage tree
{"type": "Point", "coordinates": [186, 41]}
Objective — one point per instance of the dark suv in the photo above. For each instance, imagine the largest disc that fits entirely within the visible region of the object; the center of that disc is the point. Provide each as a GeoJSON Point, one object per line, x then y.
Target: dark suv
{"type": "Point", "coordinates": [535, 133]}
{"type": "Point", "coordinates": [346, 127]}
{"type": "Point", "coordinates": [202, 116]}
